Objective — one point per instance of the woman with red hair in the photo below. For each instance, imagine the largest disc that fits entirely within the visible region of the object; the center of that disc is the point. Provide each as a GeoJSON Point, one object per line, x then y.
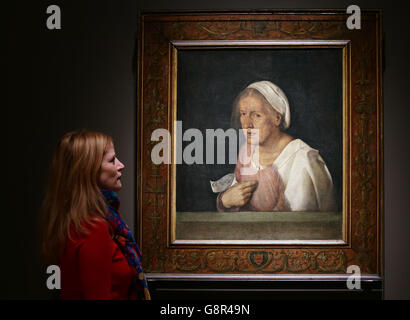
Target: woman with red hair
{"type": "Point", "coordinates": [82, 230]}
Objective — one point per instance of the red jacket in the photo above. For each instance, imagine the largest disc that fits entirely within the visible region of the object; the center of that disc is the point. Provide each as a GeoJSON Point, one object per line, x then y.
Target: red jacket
{"type": "Point", "coordinates": [93, 267]}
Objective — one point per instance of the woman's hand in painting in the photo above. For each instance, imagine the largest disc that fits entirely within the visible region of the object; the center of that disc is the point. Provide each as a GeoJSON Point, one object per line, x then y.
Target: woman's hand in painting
{"type": "Point", "coordinates": [239, 194]}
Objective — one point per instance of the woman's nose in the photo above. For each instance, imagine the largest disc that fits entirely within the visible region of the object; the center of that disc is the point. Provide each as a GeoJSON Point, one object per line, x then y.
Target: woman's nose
{"type": "Point", "coordinates": [121, 166]}
{"type": "Point", "coordinates": [247, 123]}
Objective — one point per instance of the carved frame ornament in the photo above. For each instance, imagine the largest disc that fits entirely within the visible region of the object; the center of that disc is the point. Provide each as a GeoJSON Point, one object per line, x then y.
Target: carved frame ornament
{"type": "Point", "coordinates": [159, 35]}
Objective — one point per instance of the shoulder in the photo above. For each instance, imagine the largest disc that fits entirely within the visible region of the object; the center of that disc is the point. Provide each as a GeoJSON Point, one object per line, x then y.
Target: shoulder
{"type": "Point", "coordinates": [300, 149]}
{"type": "Point", "coordinates": [98, 226]}
{"type": "Point", "coordinates": [309, 158]}
{"type": "Point", "coordinates": [302, 154]}
{"type": "Point", "coordinates": [96, 229]}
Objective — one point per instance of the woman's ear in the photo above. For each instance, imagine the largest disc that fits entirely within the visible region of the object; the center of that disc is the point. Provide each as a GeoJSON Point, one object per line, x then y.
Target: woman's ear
{"type": "Point", "coordinates": [277, 119]}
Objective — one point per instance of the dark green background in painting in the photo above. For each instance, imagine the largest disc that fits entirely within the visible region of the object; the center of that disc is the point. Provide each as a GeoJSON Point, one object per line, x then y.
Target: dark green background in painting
{"type": "Point", "coordinates": [209, 81]}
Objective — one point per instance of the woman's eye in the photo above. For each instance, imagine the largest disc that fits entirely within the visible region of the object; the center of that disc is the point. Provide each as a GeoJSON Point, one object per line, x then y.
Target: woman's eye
{"type": "Point", "coordinates": [112, 160]}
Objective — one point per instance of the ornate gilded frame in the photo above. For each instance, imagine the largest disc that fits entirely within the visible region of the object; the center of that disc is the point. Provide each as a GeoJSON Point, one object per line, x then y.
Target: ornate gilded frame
{"type": "Point", "coordinates": [160, 36]}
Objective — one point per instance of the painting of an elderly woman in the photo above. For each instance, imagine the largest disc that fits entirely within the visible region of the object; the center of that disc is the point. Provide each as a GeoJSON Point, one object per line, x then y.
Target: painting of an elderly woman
{"type": "Point", "coordinates": [279, 173]}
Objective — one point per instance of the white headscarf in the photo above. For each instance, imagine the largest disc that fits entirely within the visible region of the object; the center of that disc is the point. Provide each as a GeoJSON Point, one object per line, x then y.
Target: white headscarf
{"type": "Point", "coordinates": [276, 98]}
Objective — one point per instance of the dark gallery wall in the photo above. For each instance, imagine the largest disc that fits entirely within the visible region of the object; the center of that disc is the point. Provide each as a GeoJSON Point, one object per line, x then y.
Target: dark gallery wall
{"type": "Point", "coordinates": [83, 76]}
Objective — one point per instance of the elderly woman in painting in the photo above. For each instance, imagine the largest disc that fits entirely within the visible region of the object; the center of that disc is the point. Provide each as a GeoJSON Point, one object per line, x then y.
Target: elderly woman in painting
{"type": "Point", "coordinates": [274, 171]}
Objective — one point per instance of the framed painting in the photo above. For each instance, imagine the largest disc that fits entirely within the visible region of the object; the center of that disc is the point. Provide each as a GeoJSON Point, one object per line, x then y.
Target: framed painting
{"type": "Point", "coordinates": [259, 144]}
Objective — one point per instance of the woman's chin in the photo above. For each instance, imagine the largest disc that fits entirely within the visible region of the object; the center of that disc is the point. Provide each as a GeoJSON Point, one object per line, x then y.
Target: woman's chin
{"type": "Point", "coordinates": [252, 141]}
{"type": "Point", "coordinates": [117, 187]}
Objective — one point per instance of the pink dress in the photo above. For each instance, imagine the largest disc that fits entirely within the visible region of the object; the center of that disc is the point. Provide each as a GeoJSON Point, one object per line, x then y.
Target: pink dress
{"type": "Point", "coordinates": [268, 195]}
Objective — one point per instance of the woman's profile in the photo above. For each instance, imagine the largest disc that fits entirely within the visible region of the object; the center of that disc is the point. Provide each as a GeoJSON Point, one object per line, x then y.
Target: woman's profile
{"type": "Point", "coordinates": [82, 230]}
{"type": "Point", "coordinates": [274, 171]}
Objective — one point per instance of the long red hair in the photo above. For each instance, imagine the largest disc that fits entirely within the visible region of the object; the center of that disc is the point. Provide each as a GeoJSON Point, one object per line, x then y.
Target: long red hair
{"type": "Point", "coordinates": [73, 197]}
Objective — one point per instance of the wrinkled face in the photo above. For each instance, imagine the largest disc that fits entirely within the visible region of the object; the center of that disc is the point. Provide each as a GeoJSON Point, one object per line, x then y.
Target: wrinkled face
{"type": "Point", "coordinates": [254, 114]}
{"type": "Point", "coordinates": [110, 171]}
